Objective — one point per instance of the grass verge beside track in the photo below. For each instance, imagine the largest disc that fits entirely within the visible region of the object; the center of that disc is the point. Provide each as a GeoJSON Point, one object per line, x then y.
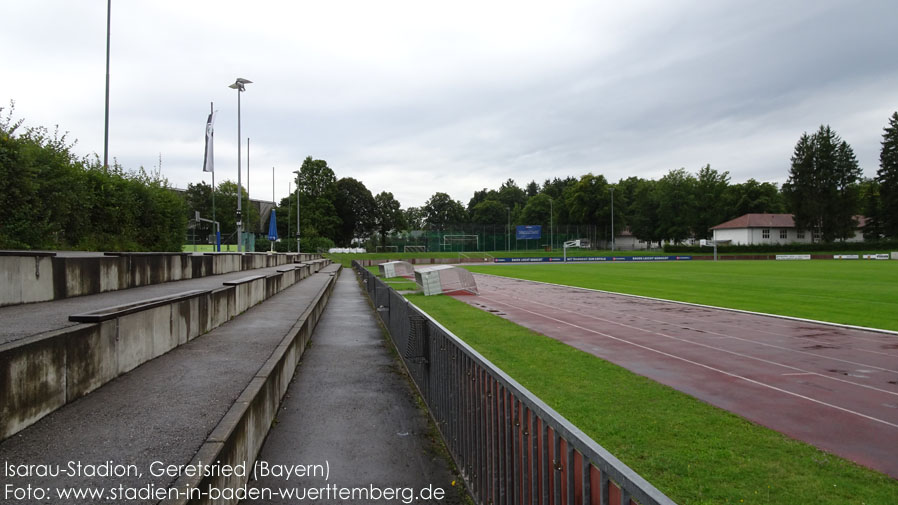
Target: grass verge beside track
{"type": "Point", "coordinates": [858, 292]}
{"type": "Point", "coordinates": [693, 452]}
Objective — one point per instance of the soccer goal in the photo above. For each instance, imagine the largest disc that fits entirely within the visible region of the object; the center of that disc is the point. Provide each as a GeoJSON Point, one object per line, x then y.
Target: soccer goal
{"type": "Point", "coordinates": [461, 243]}
{"type": "Point", "coordinates": [414, 248]}
{"type": "Point", "coordinates": [387, 248]}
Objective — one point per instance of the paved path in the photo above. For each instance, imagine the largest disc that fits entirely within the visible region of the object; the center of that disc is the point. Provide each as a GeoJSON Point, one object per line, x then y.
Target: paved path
{"type": "Point", "coordinates": [163, 410]}
{"type": "Point", "coordinates": [832, 387]}
{"type": "Point", "coordinates": [20, 321]}
{"type": "Point", "coordinates": [351, 408]}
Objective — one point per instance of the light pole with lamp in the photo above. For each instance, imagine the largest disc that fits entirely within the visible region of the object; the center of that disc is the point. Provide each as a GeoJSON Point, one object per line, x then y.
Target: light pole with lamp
{"type": "Point", "coordinates": [239, 85]}
{"type": "Point", "coordinates": [508, 231]}
{"type": "Point", "coordinates": [106, 127]}
{"type": "Point", "coordinates": [298, 173]}
{"type": "Point", "coordinates": [551, 227]}
{"type": "Point", "coordinates": [612, 217]}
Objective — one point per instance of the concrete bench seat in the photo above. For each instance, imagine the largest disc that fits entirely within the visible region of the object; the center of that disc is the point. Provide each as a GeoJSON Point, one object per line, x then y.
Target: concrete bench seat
{"type": "Point", "coordinates": [97, 316]}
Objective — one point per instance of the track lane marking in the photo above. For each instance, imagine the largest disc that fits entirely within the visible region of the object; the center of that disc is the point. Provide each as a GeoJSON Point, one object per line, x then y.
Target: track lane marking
{"type": "Point", "coordinates": [702, 365]}
{"type": "Point", "coordinates": [800, 370]}
{"type": "Point", "coordinates": [776, 317]}
{"type": "Point", "coordinates": [855, 363]}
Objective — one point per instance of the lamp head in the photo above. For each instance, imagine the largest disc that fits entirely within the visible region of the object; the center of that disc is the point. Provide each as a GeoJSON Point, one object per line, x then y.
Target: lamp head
{"type": "Point", "coordinates": [239, 84]}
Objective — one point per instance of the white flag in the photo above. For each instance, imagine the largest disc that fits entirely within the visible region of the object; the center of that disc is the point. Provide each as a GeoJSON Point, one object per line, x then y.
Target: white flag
{"type": "Point", "coordinates": [208, 160]}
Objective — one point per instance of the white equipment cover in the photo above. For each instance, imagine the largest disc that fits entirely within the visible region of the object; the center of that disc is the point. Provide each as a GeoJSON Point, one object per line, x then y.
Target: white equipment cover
{"type": "Point", "coordinates": [396, 269]}
{"type": "Point", "coordinates": [445, 279]}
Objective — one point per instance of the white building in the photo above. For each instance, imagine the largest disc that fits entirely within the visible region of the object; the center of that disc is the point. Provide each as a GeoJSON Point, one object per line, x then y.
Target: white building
{"type": "Point", "coordinates": [751, 229]}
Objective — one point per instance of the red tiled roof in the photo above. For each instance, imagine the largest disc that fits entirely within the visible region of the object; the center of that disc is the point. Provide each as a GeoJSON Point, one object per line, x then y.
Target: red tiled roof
{"type": "Point", "coordinates": [769, 221]}
{"type": "Point", "coordinates": [758, 221]}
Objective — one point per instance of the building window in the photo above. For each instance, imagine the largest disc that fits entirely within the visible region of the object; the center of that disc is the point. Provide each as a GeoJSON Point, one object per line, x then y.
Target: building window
{"type": "Point", "coordinates": [816, 236]}
{"type": "Point", "coordinates": [799, 234]}
{"type": "Point", "coordinates": [783, 234]}
{"type": "Point", "coordinates": [765, 233]}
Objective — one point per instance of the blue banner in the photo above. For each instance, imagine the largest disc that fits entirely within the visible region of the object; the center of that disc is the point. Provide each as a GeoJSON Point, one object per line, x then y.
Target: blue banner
{"type": "Point", "coordinates": [584, 259]}
{"type": "Point", "coordinates": [529, 232]}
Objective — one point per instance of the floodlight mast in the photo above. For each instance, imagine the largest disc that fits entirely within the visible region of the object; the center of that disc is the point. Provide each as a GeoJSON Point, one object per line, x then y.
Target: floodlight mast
{"type": "Point", "coordinates": [240, 86]}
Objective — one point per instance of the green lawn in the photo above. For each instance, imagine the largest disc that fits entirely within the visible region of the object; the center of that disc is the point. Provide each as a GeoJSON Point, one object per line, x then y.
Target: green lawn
{"type": "Point", "coordinates": [691, 451]}
{"type": "Point", "coordinates": [859, 292]}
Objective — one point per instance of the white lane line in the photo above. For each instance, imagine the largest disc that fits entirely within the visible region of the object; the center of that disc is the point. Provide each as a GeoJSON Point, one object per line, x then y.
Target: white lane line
{"type": "Point", "coordinates": [850, 327]}
{"type": "Point", "coordinates": [702, 365]}
{"type": "Point", "coordinates": [711, 332]}
{"type": "Point", "coordinates": [798, 373]}
{"type": "Point", "coordinates": [644, 330]}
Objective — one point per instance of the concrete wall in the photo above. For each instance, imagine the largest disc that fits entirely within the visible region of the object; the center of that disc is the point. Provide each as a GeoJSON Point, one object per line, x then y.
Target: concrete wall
{"type": "Point", "coordinates": [239, 435]}
{"type": "Point", "coordinates": [41, 373]}
{"type": "Point", "coordinates": [25, 278]}
{"type": "Point", "coordinates": [38, 277]}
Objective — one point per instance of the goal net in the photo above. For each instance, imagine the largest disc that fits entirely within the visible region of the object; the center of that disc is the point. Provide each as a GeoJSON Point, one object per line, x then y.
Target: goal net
{"type": "Point", "coordinates": [461, 243]}
{"type": "Point", "coordinates": [387, 248]}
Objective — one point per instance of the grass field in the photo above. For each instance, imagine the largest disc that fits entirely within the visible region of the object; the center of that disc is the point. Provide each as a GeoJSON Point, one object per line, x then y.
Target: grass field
{"type": "Point", "coordinates": [863, 293]}
{"type": "Point", "coordinates": [691, 451]}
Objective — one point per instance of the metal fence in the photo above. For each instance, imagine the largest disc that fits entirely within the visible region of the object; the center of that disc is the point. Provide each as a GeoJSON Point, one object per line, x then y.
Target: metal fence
{"type": "Point", "coordinates": [482, 238]}
{"type": "Point", "coordinates": [510, 447]}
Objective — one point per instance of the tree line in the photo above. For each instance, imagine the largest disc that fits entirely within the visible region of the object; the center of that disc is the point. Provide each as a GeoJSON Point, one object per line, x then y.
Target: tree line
{"type": "Point", "coordinates": [825, 190]}
{"type": "Point", "coordinates": [52, 199]}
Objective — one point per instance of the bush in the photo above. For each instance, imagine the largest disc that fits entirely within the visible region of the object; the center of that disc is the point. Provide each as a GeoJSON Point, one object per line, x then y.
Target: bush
{"type": "Point", "coordinates": [316, 244]}
{"type": "Point", "coordinates": [786, 248]}
{"type": "Point", "coordinates": [52, 199]}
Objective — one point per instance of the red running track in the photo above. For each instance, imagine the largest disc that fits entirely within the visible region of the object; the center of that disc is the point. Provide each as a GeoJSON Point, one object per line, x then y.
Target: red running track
{"type": "Point", "coordinates": [832, 387]}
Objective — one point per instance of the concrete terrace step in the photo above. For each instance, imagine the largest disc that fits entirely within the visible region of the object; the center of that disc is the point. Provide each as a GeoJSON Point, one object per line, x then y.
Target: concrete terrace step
{"type": "Point", "coordinates": [37, 276]}
{"type": "Point", "coordinates": [20, 321]}
{"type": "Point", "coordinates": [46, 370]}
{"type": "Point", "coordinates": [226, 383]}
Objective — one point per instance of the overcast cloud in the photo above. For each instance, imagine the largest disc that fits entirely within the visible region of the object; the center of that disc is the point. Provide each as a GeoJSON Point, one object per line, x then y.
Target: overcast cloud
{"type": "Point", "coordinates": [418, 97]}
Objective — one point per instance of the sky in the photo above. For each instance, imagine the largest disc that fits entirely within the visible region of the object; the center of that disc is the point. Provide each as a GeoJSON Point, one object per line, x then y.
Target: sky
{"type": "Point", "coordinates": [415, 97]}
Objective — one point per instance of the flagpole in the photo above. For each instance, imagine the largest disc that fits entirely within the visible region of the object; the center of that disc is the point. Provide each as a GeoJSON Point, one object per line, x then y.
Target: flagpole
{"type": "Point", "coordinates": [272, 199]}
{"type": "Point", "coordinates": [214, 222]}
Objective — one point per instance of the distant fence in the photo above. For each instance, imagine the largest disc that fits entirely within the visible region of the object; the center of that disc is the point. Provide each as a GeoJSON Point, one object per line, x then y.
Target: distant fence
{"type": "Point", "coordinates": [510, 447]}
{"type": "Point", "coordinates": [486, 237]}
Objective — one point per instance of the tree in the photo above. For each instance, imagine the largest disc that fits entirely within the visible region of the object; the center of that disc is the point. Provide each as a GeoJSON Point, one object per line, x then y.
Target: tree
{"type": "Point", "coordinates": [388, 215]}
{"type": "Point", "coordinates": [317, 194]}
{"type": "Point", "coordinates": [441, 210]}
{"type": "Point", "coordinates": [589, 200]}
{"type": "Point", "coordinates": [226, 209]}
{"type": "Point", "coordinates": [511, 195]}
{"type": "Point", "coordinates": [532, 189]}
{"type": "Point", "coordinates": [869, 191]}
{"type": "Point", "coordinates": [822, 186]}
{"type": "Point", "coordinates": [753, 197]}
{"type": "Point", "coordinates": [887, 177]}
{"type": "Point", "coordinates": [356, 209]}
{"type": "Point", "coordinates": [710, 204]}
{"type": "Point", "coordinates": [479, 196]}
{"type": "Point", "coordinates": [537, 210]}
{"type": "Point", "coordinates": [414, 218]}
{"type": "Point", "coordinates": [644, 219]}
{"type": "Point", "coordinates": [316, 179]}
{"type": "Point", "coordinates": [557, 189]}
{"type": "Point", "coordinates": [488, 212]}
{"type": "Point", "coordinates": [676, 205]}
